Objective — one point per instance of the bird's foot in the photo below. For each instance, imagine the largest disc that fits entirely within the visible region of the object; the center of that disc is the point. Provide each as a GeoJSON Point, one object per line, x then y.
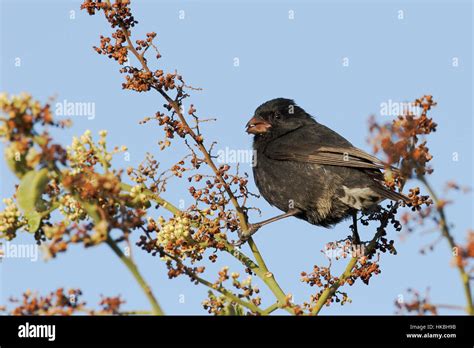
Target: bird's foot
{"type": "Point", "coordinates": [355, 239]}
{"type": "Point", "coordinates": [244, 236]}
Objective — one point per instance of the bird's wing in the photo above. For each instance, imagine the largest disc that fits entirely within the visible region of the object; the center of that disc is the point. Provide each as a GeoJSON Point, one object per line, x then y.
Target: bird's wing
{"type": "Point", "coordinates": [314, 149]}
{"type": "Point", "coordinates": [320, 145]}
{"type": "Point", "coordinates": [333, 156]}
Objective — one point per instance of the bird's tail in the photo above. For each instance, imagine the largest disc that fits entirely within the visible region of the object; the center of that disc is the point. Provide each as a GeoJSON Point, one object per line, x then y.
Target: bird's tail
{"type": "Point", "coordinates": [394, 196]}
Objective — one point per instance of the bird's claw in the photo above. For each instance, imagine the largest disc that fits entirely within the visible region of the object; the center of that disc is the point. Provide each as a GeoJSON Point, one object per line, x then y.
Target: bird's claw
{"type": "Point", "coordinates": [244, 236]}
{"type": "Point", "coordinates": [239, 242]}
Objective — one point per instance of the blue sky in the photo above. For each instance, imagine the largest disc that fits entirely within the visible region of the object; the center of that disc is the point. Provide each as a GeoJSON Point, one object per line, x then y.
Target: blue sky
{"type": "Point", "coordinates": [389, 59]}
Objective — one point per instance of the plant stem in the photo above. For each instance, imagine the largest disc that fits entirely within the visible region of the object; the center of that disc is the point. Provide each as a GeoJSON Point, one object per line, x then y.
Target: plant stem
{"type": "Point", "coordinates": [447, 234]}
{"type": "Point", "coordinates": [228, 294]}
{"type": "Point", "coordinates": [268, 277]}
{"type": "Point", "coordinates": [260, 270]}
{"type": "Point", "coordinates": [164, 203]}
{"type": "Point", "coordinates": [329, 292]}
{"type": "Point", "coordinates": [156, 308]}
{"type": "Point", "coordinates": [137, 312]}
{"type": "Point", "coordinates": [272, 308]}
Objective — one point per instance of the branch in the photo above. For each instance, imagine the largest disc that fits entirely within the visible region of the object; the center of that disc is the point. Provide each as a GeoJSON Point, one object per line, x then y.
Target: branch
{"type": "Point", "coordinates": [154, 197]}
{"type": "Point", "coordinates": [329, 292]}
{"type": "Point", "coordinates": [272, 308]}
{"type": "Point", "coordinates": [229, 294]}
{"type": "Point", "coordinates": [443, 224]}
{"type": "Point", "coordinates": [225, 292]}
{"type": "Point", "coordinates": [268, 277]}
{"type": "Point", "coordinates": [138, 277]}
{"type": "Point", "coordinates": [260, 270]}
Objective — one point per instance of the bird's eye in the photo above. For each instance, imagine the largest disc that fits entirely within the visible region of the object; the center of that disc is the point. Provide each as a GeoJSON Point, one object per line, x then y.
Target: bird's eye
{"type": "Point", "coordinates": [277, 115]}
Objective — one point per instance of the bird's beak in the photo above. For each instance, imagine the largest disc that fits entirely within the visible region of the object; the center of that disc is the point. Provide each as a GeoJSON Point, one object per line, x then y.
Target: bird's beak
{"type": "Point", "coordinates": [257, 125]}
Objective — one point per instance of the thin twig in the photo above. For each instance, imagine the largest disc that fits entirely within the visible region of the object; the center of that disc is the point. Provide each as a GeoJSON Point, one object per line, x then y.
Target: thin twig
{"type": "Point", "coordinates": [268, 277]}
{"type": "Point", "coordinates": [132, 267]}
{"type": "Point", "coordinates": [443, 224]}
{"type": "Point", "coordinates": [329, 292]}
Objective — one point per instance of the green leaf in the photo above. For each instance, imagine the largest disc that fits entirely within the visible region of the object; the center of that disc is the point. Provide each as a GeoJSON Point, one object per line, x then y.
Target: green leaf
{"type": "Point", "coordinates": [29, 193]}
{"type": "Point", "coordinates": [91, 210]}
{"type": "Point", "coordinates": [19, 168]}
{"type": "Point", "coordinates": [101, 227]}
{"type": "Point", "coordinates": [34, 221]}
{"type": "Point", "coordinates": [137, 203]}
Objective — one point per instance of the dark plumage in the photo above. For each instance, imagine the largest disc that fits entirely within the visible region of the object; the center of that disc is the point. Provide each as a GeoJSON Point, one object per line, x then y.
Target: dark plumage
{"type": "Point", "coordinates": [305, 167]}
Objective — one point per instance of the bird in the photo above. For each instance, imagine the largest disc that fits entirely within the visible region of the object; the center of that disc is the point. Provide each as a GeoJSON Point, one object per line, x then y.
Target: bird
{"type": "Point", "coordinates": [309, 171]}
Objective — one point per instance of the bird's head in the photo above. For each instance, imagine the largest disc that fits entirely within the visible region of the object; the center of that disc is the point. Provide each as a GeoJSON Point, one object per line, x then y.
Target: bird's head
{"type": "Point", "coordinates": [276, 117]}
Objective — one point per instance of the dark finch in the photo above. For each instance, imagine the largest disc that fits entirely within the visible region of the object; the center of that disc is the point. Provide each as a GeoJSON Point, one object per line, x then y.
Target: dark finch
{"type": "Point", "coordinates": [309, 171]}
